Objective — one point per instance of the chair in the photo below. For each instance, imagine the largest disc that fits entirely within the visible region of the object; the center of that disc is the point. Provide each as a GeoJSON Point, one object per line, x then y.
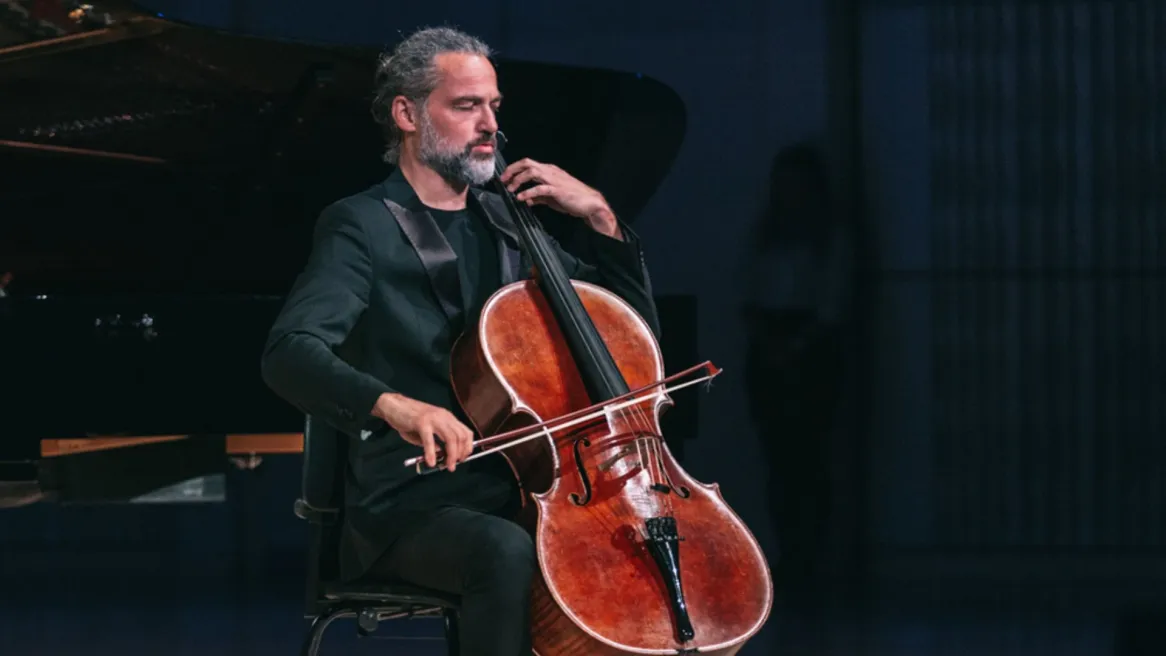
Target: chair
{"type": "Point", "coordinates": [327, 599]}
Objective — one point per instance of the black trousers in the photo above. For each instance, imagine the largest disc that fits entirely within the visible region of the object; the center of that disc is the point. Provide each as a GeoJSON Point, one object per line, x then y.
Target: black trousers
{"type": "Point", "coordinates": [486, 559]}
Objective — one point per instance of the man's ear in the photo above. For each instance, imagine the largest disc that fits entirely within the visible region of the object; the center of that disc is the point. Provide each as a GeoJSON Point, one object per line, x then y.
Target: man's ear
{"type": "Point", "coordinates": [404, 113]}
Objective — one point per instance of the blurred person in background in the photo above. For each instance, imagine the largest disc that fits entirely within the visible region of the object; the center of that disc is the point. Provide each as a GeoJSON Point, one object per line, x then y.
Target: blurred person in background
{"type": "Point", "coordinates": [798, 284]}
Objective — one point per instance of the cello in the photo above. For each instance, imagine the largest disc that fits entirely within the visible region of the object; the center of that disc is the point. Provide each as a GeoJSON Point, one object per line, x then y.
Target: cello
{"type": "Point", "coordinates": [566, 380]}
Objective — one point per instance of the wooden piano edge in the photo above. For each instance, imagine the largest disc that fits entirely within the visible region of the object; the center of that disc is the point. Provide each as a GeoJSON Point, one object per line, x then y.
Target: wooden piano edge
{"type": "Point", "coordinates": [239, 444]}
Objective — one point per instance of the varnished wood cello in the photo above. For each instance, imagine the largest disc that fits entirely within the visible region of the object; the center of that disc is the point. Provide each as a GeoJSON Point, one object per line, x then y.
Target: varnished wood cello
{"type": "Point", "coordinates": [635, 557]}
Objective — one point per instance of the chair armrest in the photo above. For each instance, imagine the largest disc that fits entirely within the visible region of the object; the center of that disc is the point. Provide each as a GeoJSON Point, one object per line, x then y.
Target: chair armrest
{"type": "Point", "coordinates": [314, 515]}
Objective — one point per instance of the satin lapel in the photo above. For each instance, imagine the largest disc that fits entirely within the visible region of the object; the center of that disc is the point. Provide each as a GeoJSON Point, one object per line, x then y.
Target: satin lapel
{"type": "Point", "coordinates": [509, 255]}
{"type": "Point", "coordinates": [436, 255]}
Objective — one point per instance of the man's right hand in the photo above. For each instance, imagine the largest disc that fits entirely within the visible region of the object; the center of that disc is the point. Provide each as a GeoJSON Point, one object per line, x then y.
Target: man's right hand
{"type": "Point", "coordinates": [422, 424]}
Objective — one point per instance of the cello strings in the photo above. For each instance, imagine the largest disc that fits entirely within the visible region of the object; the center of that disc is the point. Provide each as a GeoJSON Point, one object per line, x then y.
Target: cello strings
{"type": "Point", "coordinates": [640, 417]}
{"type": "Point", "coordinates": [651, 459]}
{"type": "Point", "coordinates": [647, 450]}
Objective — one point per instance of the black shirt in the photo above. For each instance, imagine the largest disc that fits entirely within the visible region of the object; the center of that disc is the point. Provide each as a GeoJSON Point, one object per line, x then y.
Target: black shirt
{"type": "Point", "coordinates": [473, 239]}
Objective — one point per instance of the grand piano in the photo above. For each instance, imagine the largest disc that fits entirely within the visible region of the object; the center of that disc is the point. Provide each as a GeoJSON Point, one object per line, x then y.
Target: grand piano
{"type": "Point", "coordinates": [158, 185]}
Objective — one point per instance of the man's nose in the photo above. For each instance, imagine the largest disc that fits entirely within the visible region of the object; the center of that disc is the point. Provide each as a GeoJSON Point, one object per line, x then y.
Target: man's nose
{"type": "Point", "coordinates": [489, 121]}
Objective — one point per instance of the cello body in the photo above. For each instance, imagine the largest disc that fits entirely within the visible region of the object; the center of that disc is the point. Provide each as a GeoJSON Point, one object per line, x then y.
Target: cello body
{"type": "Point", "coordinates": [635, 557]}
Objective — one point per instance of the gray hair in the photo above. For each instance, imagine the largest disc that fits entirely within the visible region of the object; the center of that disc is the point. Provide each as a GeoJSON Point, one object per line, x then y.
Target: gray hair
{"type": "Point", "coordinates": [410, 70]}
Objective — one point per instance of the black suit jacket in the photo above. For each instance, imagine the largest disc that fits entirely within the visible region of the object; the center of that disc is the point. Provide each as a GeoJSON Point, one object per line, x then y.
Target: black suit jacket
{"type": "Point", "coordinates": [377, 309]}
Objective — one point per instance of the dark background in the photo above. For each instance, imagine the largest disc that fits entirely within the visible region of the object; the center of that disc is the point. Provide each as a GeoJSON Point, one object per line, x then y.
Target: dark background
{"type": "Point", "coordinates": [998, 471]}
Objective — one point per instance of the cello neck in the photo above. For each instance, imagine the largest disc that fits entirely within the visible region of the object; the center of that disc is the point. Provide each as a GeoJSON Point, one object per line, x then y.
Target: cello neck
{"type": "Point", "coordinates": [601, 377]}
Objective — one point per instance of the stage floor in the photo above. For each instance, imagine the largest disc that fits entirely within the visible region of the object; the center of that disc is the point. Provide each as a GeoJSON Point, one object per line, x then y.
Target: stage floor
{"type": "Point", "coordinates": [165, 620]}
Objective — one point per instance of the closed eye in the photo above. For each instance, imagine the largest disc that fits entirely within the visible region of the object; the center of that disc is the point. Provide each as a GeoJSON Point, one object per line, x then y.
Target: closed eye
{"type": "Point", "coordinates": [467, 103]}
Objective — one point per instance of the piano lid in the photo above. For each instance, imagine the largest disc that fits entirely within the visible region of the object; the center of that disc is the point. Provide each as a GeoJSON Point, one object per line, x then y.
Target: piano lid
{"type": "Point", "coordinates": [147, 155]}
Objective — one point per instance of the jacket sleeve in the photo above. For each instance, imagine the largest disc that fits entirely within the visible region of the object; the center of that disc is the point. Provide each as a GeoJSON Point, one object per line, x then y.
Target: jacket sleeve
{"type": "Point", "coordinates": [618, 266]}
{"type": "Point", "coordinates": [328, 298]}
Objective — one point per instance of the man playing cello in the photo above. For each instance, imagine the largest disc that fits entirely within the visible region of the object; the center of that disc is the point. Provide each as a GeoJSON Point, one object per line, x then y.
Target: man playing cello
{"type": "Point", "coordinates": [396, 273]}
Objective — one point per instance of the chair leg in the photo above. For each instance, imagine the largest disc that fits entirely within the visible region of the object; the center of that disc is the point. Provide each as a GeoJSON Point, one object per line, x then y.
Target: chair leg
{"type": "Point", "coordinates": [453, 648]}
{"type": "Point", "coordinates": [311, 646]}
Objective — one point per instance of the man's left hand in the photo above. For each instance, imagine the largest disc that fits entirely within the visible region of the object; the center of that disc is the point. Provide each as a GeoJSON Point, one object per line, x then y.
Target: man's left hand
{"type": "Point", "coordinates": [561, 192]}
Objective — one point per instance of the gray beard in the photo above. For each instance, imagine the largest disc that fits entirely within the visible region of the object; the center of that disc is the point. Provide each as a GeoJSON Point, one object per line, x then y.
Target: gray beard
{"type": "Point", "coordinates": [456, 166]}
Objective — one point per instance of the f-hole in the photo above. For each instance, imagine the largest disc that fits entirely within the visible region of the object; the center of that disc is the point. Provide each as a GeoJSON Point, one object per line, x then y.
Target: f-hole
{"type": "Point", "coordinates": [582, 441]}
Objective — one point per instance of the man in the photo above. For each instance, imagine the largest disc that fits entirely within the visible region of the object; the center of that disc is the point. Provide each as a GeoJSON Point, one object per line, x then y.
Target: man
{"type": "Point", "coordinates": [395, 275]}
